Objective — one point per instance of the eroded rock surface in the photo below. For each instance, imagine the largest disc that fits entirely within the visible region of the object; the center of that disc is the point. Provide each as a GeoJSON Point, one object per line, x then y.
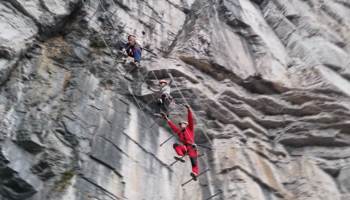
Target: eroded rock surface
{"type": "Point", "coordinates": [268, 82]}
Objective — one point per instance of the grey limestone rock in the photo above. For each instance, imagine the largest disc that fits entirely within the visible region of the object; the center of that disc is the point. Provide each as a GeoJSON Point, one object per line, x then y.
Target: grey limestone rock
{"type": "Point", "coordinates": [267, 82]}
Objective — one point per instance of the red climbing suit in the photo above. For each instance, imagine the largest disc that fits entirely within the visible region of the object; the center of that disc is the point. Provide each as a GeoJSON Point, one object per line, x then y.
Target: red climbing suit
{"type": "Point", "coordinates": [186, 137]}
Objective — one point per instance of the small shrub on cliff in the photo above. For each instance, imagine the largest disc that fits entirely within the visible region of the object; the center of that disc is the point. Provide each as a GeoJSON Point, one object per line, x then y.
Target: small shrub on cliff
{"type": "Point", "coordinates": [65, 180]}
{"type": "Point", "coordinates": [95, 43]}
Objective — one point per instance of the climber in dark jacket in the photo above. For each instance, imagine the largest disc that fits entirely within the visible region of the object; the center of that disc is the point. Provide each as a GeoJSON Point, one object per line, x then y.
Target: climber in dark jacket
{"type": "Point", "coordinates": [132, 49]}
{"type": "Point", "coordinates": [186, 135]}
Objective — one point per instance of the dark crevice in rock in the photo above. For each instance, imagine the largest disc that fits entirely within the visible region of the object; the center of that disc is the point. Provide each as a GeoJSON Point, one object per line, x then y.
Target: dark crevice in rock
{"type": "Point", "coordinates": [258, 85]}
{"type": "Point", "coordinates": [331, 13]}
{"type": "Point", "coordinates": [183, 9]}
{"type": "Point", "coordinates": [20, 8]}
{"type": "Point", "coordinates": [121, 150]}
{"type": "Point", "coordinates": [213, 69]}
{"type": "Point", "coordinates": [122, 6]}
{"type": "Point", "coordinates": [345, 3]}
{"type": "Point", "coordinates": [258, 2]}
{"type": "Point", "coordinates": [66, 137]}
{"type": "Point", "coordinates": [6, 75]}
{"type": "Point", "coordinates": [311, 142]}
{"type": "Point", "coordinates": [6, 52]}
{"type": "Point", "coordinates": [43, 170]}
{"type": "Point", "coordinates": [11, 184]}
{"type": "Point", "coordinates": [175, 41]}
{"type": "Point", "coordinates": [114, 197]}
{"type": "Point", "coordinates": [45, 31]}
{"type": "Point", "coordinates": [61, 28]}
{"type": "Point", "coordinates": [100, 161]}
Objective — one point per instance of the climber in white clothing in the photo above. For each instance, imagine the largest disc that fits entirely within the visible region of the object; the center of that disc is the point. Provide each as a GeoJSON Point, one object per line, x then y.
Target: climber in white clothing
{"type": "Point", "coordinates": [164, 99]}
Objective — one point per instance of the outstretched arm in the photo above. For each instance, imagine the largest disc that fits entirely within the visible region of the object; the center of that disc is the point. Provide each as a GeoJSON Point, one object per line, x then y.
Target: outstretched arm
{"type": "Point", "coordinates": [170, 82]}
{"type": "Point", "coordinates": [190, 118]}
{"type": "Point", "coordinates": [153, 90]}
{"type": "Point", "coordinates": [175, 128]}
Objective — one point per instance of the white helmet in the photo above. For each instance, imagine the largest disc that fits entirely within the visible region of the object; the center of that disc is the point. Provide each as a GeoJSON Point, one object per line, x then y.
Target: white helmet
{"type": "Point", "coordinates": [163, 81]}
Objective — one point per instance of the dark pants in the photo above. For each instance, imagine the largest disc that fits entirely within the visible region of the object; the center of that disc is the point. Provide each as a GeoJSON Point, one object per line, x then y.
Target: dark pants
{"type": "Point", "coordinates": [163, 105]}
{"type": "Point", "coordinates": [181, 150]}
{"type": "Point", "coordinates": [132, 51]}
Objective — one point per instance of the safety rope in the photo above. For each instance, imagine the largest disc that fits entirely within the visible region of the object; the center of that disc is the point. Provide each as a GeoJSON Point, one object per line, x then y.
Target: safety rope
{"type": "Point", "coordinates": [132, 93]}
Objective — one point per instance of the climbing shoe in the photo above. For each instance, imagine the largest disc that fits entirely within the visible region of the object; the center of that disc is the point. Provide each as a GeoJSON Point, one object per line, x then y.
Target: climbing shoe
{"type": "Point", "coordinates": [157, 114]}
{"type": "Point", "coordinates": [123, 53]}
{"type": "Point", "coordinates": [179, 158]}
{"type": "Point", "coordinates": [194, 176]}
{"type": "Point", "coordinates": [165, 116]}
{"type": "Point", "coordinates": [135, 64]}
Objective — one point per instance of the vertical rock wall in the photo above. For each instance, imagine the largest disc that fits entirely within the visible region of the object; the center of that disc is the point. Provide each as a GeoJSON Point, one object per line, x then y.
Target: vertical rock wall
{"type": "Point", "coordinates": [266, 80]}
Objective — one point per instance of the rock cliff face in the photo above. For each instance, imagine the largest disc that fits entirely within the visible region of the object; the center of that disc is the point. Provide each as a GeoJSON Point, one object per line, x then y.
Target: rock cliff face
{"type": "Point", "coordinates": [267, 80]}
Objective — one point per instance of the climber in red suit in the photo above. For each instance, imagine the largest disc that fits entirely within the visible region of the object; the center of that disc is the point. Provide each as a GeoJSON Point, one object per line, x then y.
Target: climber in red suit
{"type": "Point", "coordinates": [186, 134]}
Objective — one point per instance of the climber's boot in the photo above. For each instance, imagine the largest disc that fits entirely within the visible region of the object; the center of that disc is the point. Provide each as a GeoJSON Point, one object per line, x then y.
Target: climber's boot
{"type": "Point", "coordinates": [135, 64]}
{"type": "Point", "coordinates": [194, 176]}
{"type": "Point", "coordinates": [165, 116]}
{"type": "Point", "coordinates": [157, 115]}
{"type": "Point", "coordinates": [179, 158]}
{"type": "Point", "coordinates": [123, 53]}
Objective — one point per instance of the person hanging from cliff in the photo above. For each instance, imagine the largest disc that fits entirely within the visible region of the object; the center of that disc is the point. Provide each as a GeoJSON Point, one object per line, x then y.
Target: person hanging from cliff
{"type": "Point", "coordinates": [164, 100]}
{"type": "Point", "coordinates": [133, 49]}
{"type": "Point", "coordinates": [188, 147]}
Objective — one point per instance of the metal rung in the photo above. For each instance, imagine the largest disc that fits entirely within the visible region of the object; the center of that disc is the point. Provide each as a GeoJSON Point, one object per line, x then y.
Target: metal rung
{"type": "Point", "coordinates": [152, 100]}
{"type": "Point", "coordinates": [144, 80]}
{"type": "Point", "coordinates": [113, 13]}
{"type": "Point", "coordinates": [161, 118]}
{"type": "Point", "coordinates": [166, 141]}
{"type": "Point", "coordinates": [94, 13]}
{"type": "Point", "coordinates": [214, 195]}
{"type": "Point", "coordinates": [129, 71]}
{"type": "Point", "coordinates": [171, 137]}
{"type": "Point", "coordinates": [197, 177]}
{"type": "Point", "coordinates": [201, 155]}
{"type": "Point", "coordinates": [156, 122]}
{"type": "Point", "coordinates": [182, 157]}
{"type": "Point", "coordinates": [205, 147]}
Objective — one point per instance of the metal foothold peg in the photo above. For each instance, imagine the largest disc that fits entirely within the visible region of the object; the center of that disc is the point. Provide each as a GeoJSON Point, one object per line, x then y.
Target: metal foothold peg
{"type": "Point", "coordinates": [166, 140]}
{"type": "Point", "coordinates": [197, 176]}
{"type": "Point", "coordinates": [215, 195]}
